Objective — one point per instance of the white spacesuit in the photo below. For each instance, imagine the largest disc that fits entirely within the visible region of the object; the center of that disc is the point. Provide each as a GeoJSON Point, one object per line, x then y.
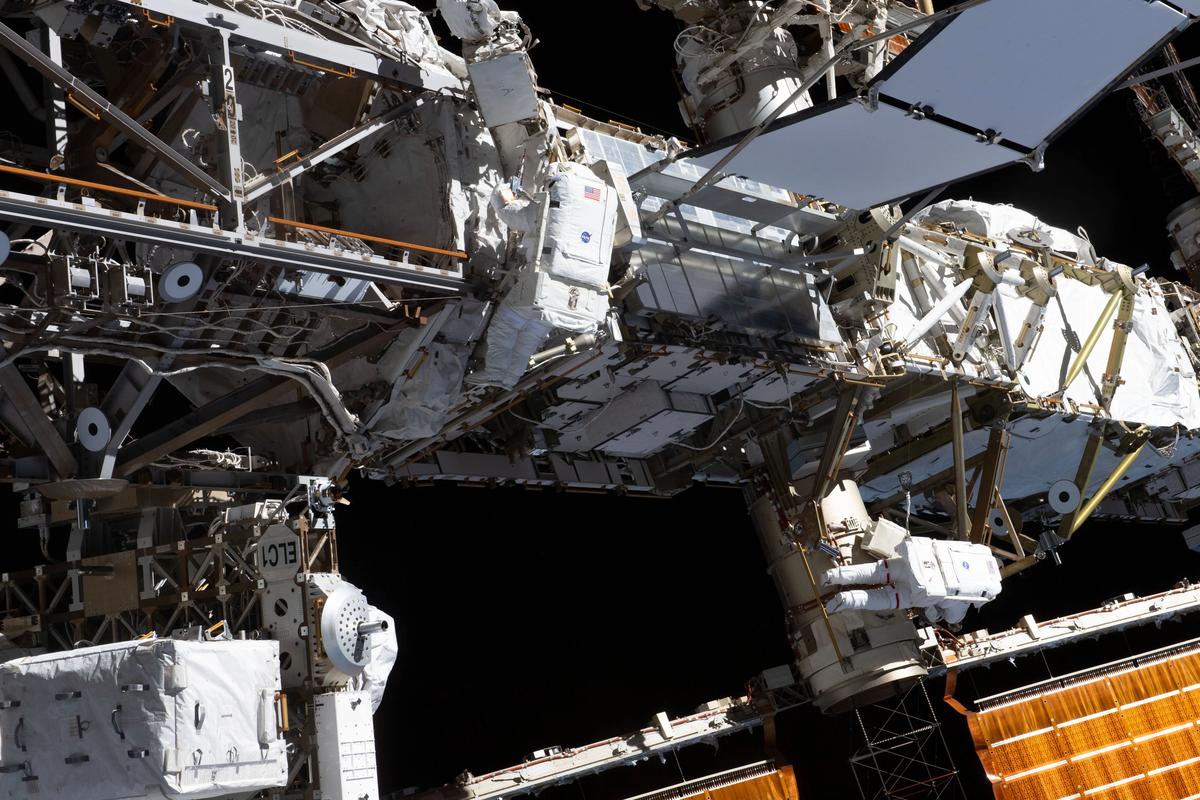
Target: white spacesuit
{"type": "Point", "coordinates": [564, 283]}
{"type": "Point", "coordinates": [942, 579]}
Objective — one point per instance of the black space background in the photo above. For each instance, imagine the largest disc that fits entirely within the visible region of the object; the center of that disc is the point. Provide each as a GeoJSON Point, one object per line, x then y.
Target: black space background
{"type": "Point", "coordinates": [533, 618]}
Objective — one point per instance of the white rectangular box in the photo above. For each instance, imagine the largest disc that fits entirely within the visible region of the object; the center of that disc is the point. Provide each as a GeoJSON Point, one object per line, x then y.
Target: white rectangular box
{"type": "Point", "coordinates": [1192, 537]}
{"type": "Point", "coordinates": [345, 746]}
{"type": "Point", "coordinates": [504, 87]}
{"type": "Point", "coordinates": [160, 718]}
{"type": "Point", "coordinates": [639, 422]}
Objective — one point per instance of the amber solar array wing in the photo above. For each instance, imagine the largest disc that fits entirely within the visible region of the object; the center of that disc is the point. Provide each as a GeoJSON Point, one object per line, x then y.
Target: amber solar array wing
{"type": "Point", "coordinates": [1125, 731]}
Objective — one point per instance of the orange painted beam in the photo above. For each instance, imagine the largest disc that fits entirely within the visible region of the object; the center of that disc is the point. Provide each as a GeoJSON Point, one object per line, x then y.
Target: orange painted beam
{"type": "Point", "coordinates": [104, 187]}
{"type": "Point", "coordinates": [291, 223]}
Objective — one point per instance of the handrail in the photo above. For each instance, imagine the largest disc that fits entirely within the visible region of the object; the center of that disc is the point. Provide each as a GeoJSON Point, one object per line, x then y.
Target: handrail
{"type": "Point", "coordinates": [291, 223]}
{"type": "Point", "coordinates": [162, 198]}
{"type": "Point", "coordinates": [104, 187]}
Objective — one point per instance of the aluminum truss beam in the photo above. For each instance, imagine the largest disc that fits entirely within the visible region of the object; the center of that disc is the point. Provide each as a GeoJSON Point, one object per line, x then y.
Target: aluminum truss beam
{"type": "Point", "coordinates": [982, 648]}
{"type": "Point", "coordinates": [257, 393]}
{"type": "Point", "coordinates": [717, 719]}
{"type": "Point", "coordinates": [95, 104]}
{"type": "Point", "coordinates": [26, 403]}
{"type": "Point", "coordinates": [135, 227]}
{"type": "Point", "coordinates": [302, 48]}
{"type": "Point", "coordinates": [260, 186]}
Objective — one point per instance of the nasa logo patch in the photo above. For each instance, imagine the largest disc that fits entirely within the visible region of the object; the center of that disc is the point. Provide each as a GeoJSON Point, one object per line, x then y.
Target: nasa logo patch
{"type": "Point", "coordinates": [586, 237]}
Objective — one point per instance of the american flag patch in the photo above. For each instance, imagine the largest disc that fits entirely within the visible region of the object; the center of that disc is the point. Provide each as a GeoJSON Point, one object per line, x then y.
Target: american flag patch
{"type": "Point", "coordinates": [591, 193]}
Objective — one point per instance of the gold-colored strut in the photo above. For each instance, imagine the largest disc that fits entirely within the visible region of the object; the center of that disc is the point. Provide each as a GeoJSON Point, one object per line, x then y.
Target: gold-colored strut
{"type": "Point", "coordinates": [816, 588]}
{"type": "Point", "coordinates": [992, 478]}
{"type": "Point", "coordinates": [1093, 338]}
{"type": "Point", "coordinates": [1116, 351]}
{"type": "Point", "coordinates": [1122, 467]}
{"type": "Point", "coordinates": [960, 466]}
{"type": "Point", "coordinates": [1083, 475]}
{"type": "Point", "coordinates": [841, 429]}
{"type": "Point", "coordinates": [104, 187]}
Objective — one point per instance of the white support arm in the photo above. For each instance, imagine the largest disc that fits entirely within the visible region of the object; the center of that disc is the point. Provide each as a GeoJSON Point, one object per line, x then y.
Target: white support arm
{"type": "Point", "coordinates": [982, 648]}
{"type": "Point", "coordinates": [718, 718]}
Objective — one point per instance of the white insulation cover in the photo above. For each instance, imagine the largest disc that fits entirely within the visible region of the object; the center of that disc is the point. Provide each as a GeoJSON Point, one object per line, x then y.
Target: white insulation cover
{"type": "Point", "coordinates": [420, 403]}
{"type": "Point", "coordinates": [1158, 382]}
{"type": "Point", "coordinates": [150, 719]}
{"type": "Point", "coordinates": [384, 650]}
{"type": "Point", "coordinates": [471, 20]}
{"type": "Point", "coordinates": [398, 23]}
{"type": "Point", "coordinates": [996, 221]}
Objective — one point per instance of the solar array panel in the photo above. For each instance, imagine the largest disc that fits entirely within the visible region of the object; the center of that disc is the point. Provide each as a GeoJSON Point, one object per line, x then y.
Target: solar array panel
{"type": "Point", "coordinates": [1129, 731]}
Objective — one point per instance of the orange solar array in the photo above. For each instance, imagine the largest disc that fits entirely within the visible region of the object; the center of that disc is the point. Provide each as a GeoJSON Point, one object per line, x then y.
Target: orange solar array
{"type": "Point", "coordinates": [1129, 731]}
{"type": "Point", "coordinates": [763, 781]}
{"type": "Point", "coordinates": [778, 785]}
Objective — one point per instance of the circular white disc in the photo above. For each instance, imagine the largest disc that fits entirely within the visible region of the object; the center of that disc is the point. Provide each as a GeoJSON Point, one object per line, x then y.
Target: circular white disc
{"type": "Point", "coordinates": [1063, 497]}
{"type": "Point", "coordinates": [92, 429]}
{"type": "Point", "coordinates": [341, 615]}
{"type": "Point", "coordinates": [996, 523]}
{"type": "Point", "coordinates": [180, 281]}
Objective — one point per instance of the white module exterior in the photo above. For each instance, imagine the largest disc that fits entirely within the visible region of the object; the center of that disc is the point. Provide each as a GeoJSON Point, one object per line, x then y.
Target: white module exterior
{"type": "Point", "coordinates": [345, 746]}
{"type": "Point", "coordinates": [736, 97]}
{"type": "Point", "coordinates": [997, 221]}
{"type": "Point", "coordinates": [154, 719]}
{"type": "Point", "coordinates": [1158, 383]}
